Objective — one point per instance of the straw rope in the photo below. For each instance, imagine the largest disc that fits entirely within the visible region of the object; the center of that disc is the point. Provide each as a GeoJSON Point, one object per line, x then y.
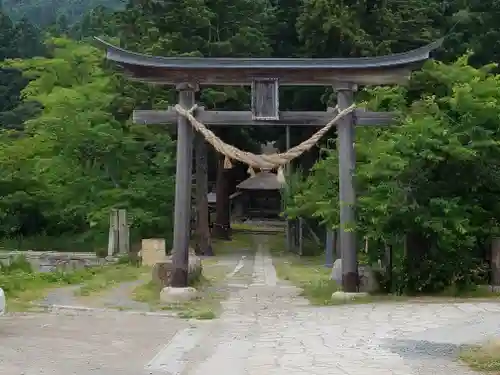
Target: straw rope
{"type": "Point", "coordinates": [261, 161]}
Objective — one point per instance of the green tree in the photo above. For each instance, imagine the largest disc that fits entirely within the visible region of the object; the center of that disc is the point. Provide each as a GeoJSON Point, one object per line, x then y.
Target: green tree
{"type": "Point", "coordinates": [13, 110]}
{"type": "Point", "coordinates": [28, 40]}
{"type": "Point", "coordinates": [19, 40]}
{"type": "Point", "coordinates": [97, 22]}
{"type": "Point", "coordinates": [7, 40]}
{"type": "Point", "coordinates": [44, 13]}
{"type": "Point", "coordinates": [427, 186]}
{"type": "Point", "coordinates": [367, 28]}
{"type": "Point", "coordinates": [85, 161]}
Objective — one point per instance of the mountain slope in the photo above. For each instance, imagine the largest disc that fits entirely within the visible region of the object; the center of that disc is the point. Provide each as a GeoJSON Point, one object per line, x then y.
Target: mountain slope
{"type": "Point", "coordinates": [44, 12]}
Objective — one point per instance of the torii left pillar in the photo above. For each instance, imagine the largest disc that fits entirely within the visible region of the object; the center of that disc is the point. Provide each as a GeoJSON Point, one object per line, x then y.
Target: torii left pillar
{"type": "Point", "coordinates": [183, 182]}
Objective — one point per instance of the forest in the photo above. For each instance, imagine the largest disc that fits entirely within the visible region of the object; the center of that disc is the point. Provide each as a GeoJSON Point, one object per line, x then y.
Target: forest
{"type": "Point", "coordinates": [44, 13]}
{"type": "Point", "coordinates": [69, 151]}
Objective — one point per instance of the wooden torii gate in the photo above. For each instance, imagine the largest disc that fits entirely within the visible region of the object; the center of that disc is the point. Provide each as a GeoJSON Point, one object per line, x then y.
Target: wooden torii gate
{"type": "Point", "coordinates": [265, 75]}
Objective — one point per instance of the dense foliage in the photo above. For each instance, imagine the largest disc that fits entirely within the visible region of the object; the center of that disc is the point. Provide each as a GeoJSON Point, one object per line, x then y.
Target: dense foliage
{"type": "Point", "coordinates": [431, 181]}
{"type": "Point", "coordinates": [75, 161]}
{"type": "Point", "coordinates": [47, 12]}
{"type": "Point", "coordinates": [68, 152]}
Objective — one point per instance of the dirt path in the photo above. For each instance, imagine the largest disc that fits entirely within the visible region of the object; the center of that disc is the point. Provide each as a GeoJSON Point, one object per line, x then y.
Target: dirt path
{"type": "Point", "coordinates": [120, 296]}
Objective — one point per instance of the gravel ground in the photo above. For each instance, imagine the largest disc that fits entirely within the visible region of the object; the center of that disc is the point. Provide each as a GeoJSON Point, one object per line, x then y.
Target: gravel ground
{"type": "Point", "coordinates": [82, 343]}
{"type": "Point", "coordinates": [61, 296]}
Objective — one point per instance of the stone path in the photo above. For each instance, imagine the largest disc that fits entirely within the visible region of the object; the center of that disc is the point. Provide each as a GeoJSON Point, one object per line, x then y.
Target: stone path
{"type": "Point", "coordinates": [265, 329]}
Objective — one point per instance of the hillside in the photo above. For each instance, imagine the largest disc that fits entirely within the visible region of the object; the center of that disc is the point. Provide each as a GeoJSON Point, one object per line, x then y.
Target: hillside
{"type": "Point", "coordinates": [44, 12]}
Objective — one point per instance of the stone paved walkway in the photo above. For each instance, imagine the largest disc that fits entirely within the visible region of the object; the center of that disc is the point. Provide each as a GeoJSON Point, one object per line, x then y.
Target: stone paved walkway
{"type": "Point", "coordinates": [266, 329]}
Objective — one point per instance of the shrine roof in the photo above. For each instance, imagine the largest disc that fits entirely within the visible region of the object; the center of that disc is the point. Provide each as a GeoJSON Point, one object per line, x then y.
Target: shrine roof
{"type": "Point", "coordinates": [120, 55]}
{"type": "Point", "coordinates": [261, 181]}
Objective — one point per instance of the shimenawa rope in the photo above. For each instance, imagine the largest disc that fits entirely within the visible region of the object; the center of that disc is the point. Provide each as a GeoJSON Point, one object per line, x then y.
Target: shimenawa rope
{"type": "Point", "coordinates": [262, 161]}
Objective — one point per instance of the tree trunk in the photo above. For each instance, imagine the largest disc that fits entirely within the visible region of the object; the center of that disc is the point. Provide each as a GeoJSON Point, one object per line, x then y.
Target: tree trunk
{"type": "Point", "coordinates": [203, 241]}
{"type": "Point", "coordinates": [416, 249]}
{"type": "Point", "coordinates": [222, 226]}
{"type": "Point", "coordinates": [495, 261]}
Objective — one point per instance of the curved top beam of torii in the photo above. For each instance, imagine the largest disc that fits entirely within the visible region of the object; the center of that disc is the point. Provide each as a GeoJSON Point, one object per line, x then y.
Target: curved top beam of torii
{"type": "Point", "coordinates": [289, 71]}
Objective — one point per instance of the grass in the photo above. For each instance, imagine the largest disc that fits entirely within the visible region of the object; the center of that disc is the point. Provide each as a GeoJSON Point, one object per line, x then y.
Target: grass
{"type": "Point", "coordinates": [307, 273]}
{"type": "Point", "coordinates": [310, 274]}
{"type": "Point", "coordinates": [484, 358]}
{"type": "Point", "coordinates": [238, 242]}
{"type": "Point", "coordinates": [211, 292]}
{"type": "Point", "coordinates": [23, 286]}
{"type": "Point", "coordinates": [63, 243]}
{"type": "Point", "coordinates": [110, 277]}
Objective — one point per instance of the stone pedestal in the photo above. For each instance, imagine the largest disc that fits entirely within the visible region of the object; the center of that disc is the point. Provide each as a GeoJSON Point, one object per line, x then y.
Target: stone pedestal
{"type": "Point", "coordinates": [367, 280]}
{"type": "Point", "coordinates": [162, 270]}
{"type": "Point", "coordinates": [3, 304]}
{"type": "Point", "coordinates": [346, 296]}
{"type": "Point", "coordinates": [153, 251]}
{"type": "Point", "coordinates": [177, 295]}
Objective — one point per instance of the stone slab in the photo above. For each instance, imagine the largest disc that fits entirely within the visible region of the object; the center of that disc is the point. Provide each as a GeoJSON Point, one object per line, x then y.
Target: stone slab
{"type": "Point", "coordinates": [153, 250]}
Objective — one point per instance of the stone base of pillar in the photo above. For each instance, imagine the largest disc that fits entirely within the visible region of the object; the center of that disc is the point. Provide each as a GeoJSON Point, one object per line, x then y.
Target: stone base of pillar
{"type": "Point", "coordinates": [348, 297]}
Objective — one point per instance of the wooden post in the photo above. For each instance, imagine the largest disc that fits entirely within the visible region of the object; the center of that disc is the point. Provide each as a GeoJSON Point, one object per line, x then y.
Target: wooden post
{"type": "Point", "coordinates": [388, 265]}
{"type": "Point", "coordinates": [288, 170]}
{"type": "Point", "coordinates": [203, 244]}
{"type": "Point", "coordinates": [222, 225]}
{"type": "Point", "coordinates": [301, 236]}
{"type": "Point", "coordinates": [126, 229]}
{"type": "Point", "coordinates": [182, 210]}
{"type": "Point", "coordinates": [123, 232]}
{"type": "Point", "coordinates": [338, 253]}
{"type": "Point", "coordinates": [113, 233]}
{"type": "Point", "coordinates": [495, 261]}
{"type": "Point", "coordinates": [329, 248]}
{"type": "Point", "coordinates": [347, 195]}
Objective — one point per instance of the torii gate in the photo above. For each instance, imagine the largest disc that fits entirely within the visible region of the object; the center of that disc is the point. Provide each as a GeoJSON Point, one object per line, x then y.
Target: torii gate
{"type": "Point", "coordinates": [265, 75]}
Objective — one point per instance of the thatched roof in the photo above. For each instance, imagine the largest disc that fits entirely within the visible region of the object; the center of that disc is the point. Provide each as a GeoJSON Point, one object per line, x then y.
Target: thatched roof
{"type": "Point", "coordinates": [261, 181]}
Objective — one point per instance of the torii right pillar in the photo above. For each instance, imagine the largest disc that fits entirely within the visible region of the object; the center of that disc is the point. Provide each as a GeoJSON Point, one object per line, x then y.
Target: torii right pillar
{"type": "Point", "coordinates": [347, 193]}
